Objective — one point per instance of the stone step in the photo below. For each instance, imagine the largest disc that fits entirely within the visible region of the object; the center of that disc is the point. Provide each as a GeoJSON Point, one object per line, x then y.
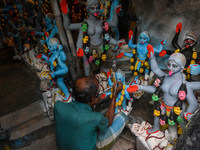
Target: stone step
{"type": "Point", "coordinates": [23, 115]}
{"type": "Point", "coordinates": [29, 127]}
{"type": "Point", "coordinates": [46, 143]}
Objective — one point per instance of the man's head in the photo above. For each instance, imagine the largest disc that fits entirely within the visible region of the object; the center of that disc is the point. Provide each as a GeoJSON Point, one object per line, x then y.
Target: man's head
{"type": "Point", "coordinates": [85, 89]}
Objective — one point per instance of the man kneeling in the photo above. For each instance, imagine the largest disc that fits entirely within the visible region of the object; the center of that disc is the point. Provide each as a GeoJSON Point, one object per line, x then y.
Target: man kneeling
{"type": "Point", "coordinates": [77, 125]}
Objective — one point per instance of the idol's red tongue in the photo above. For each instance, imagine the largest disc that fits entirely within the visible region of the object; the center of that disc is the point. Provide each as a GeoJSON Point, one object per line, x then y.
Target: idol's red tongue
{"type": "Point", "coordinates": [170, 73]}
{"type": "Point", "coordinates": [142, 42]}
{"type": "Point", "coordinates": [187, 45]}
{"type": "Point", "coordinates": [95, 14]}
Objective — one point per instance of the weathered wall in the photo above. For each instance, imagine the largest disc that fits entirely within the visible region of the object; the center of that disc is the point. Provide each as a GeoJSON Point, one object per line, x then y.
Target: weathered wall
{"type": "Point", "coordinates": [159, 18]}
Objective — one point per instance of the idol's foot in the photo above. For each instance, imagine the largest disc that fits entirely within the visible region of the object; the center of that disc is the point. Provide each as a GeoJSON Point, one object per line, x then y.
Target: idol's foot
{"type": "Point", "coordinates": [152, 130]}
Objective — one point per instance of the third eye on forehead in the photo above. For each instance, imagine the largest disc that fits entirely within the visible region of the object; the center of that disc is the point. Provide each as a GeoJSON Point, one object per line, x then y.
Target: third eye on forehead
{"type": "Point", "coordinates": [94, 6]}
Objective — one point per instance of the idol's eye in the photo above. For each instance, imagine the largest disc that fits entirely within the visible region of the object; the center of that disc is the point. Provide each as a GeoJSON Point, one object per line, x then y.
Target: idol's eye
{"type": "Point", "coordinates": [144, 38]}
{"type": "Point", "coordinates": [140, 37]}
{"type": "Point", "coordinates": [168, 64]}
{"type": "Point", "coordinates": [174, 65]}
{"type": "Point", "coordinates": [92, 8]}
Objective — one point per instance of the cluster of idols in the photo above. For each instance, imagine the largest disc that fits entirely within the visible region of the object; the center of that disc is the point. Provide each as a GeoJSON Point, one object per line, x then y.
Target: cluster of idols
{"type": "Point", "coordinates": [174, 102]}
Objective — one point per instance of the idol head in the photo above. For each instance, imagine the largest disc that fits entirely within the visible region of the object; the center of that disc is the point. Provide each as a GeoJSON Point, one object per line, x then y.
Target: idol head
{"type": "Point", "coordinates": [163, 119]}
{"type": "Point", "coordinates": [171, 122]}
{"type": "Point", "coordinates": [178, 107]}
{"type": "Point", "coordinates": [85, 39]}
{"type": "Point", "coordinates": [97, 62]}
{"type": "Point", "coordinates": [87, 49]}
{"type": "Point", "coordinates": [54, 44]}
{"type": "Point", "coordinates": [84, 27]}
{"type": "Point", "coordinates": [48, 19]}
{"type": "Point", "coordinates": [182, 93]}
{"type": "Point", "coordinates": [172, 118]}
{"type": "Point", "coordinates": [176, 63]}
{"type": "Point", "coordinates": [137, 129]}
{"type": "Point", "coordinates": [144, 37]}
{"type": "Point", "coordinates": [103, 57]}
{"type": "Point", "coordinates": [106, 26]}
{"type": "Point", "coordinates": [29, 5]}
{"type": "Point", "coordinates": [120, 76]}
{"type": "Point", "coordinates": [190, 39]}
{"type": "Point", "coordinates": [177, 110]}
{"type": "Point", "coordinates": [106, 47]}
{"type": "Point", "coordinates": [156, 112]}
{"type": "Point", "coordinates": [92, 7]}
{"type": "Point", "coordinates": [107, 37]}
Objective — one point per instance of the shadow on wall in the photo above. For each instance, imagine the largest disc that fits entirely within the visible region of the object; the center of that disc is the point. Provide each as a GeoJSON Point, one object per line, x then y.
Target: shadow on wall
{"type": "Point", "coordinates": [159, 18]}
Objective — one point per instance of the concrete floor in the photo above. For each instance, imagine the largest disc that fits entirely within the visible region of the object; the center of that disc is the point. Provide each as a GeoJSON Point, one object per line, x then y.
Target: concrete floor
{"type": "Point", "coordinates": [19, 88]}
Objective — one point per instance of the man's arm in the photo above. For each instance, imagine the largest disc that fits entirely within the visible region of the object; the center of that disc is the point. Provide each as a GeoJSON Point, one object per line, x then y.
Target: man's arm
{"type": "Point", "coordinates": [111, 110]}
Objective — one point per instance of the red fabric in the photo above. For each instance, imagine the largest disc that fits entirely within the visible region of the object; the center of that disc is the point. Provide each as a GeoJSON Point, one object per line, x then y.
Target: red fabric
{"type": "Point", "coordinates": [108, 74]}
{"type": "Point", "coordinates": [46, 34]}
{"type": "Point", "coordinates": [63, 5]}
{"type": "Point", "coordinates": [118, 9]}
{"type": "Point", "coordinates": [150, 49]}
{"type": "Point", "coordinates": [75, 2]}
{"type": "Point", "coordinates": [80, 52]}
{"type": "Point", "coordinates": [10, 12]}
{"type": "Point", "coordinates": [32, 33]}
{"type": "Point", "coordinates": [39, 56]}
{"type": "Point", "coordinates": [103, 96]}
{"type": "Point", "coordinates": [162, 53]}
{"type": "Point", "coordinates": [130, 34]}
{"type": "Point", "coordinates": [132, 88]}
{"type": "Point", "coordinates": [178, 27]}
{"type": "Point", "coordinates": [120, 55]}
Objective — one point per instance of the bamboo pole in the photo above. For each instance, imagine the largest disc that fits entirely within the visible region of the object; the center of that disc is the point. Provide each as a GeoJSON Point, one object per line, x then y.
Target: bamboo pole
{"type": "Point", "coordinates": [73, 51]}
{"type": "Point", "coordinates": [63, 38]}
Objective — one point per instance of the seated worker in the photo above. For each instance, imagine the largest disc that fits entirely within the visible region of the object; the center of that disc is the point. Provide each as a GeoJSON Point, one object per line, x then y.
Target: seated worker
{"type": "Point", "coordinates": [78, 127]}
